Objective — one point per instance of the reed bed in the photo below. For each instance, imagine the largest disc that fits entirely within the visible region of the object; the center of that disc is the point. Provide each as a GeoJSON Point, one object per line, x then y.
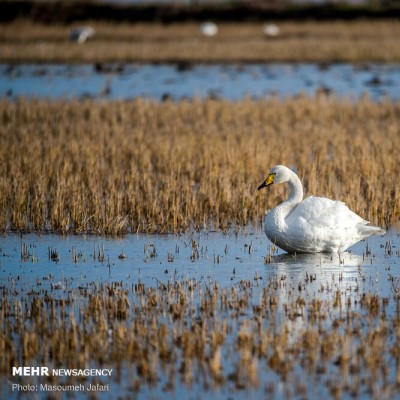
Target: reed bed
{"type": "Point", "coordinates": [142, 166]}
{"type": "Point", "coordinates": [355, 41]}
{"type": "Point", "coordinates": [193, 334]}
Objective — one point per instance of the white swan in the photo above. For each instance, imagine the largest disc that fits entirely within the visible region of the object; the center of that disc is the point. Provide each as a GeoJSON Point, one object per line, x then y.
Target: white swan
{"type": "Point", "coordinates": [209, 29]}
{"type": "Point", "coordinates": [312, 225]}
{"type": "Point", "coordinates": [81, 34]}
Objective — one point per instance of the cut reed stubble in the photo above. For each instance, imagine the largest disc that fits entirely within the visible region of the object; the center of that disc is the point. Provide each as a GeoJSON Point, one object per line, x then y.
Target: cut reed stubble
{"type": "Point", "coordinates": [144, 166]}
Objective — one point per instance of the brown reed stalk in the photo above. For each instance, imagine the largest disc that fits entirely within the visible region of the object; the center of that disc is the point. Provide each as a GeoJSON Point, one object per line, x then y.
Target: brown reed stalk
{"type": "Point", "coordinates": [231, 342]}
{"type": "Point", "coordinates": [143, 166]}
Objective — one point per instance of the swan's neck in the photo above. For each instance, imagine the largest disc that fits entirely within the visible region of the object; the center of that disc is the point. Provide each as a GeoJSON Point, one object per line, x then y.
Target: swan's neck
{"type": "Point", "coordinates": [295, 197]}
{"type": "Point", "coordinates": [295, 191]}
{"type": "Point", "coordinates": [275, 222]}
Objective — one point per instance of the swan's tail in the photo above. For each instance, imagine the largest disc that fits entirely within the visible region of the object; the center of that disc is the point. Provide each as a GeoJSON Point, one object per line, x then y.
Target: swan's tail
{"type": "Point", "coordinates": [367, 230]}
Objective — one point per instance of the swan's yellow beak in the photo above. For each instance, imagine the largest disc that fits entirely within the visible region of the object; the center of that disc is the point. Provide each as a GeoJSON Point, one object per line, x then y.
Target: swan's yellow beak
{"type": "Point", "coordinates": [267, 182]}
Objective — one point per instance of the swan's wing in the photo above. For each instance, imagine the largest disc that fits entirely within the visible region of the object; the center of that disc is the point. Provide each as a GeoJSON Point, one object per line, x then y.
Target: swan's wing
{"type": "Point", "coordinates": [318, 224]}
{"type": "Point", "coordinates": [320, 212]}
{"type": "Point", "coordinates": [321, 224]}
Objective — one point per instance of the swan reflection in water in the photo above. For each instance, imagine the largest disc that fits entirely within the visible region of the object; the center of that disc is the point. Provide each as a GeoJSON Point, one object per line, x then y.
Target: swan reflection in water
{"type": "Point", "coordinates": [340, 269]}
{"type": "Point", "coordinates": [327, 278]}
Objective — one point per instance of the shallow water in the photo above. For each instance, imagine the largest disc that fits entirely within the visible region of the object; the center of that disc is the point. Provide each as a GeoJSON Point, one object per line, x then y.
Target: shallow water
{"type": "Point", "coordinates": [208, 259]}
{"type": "Point", "coordinates": [232, 82]}
{"type": "Point", "coordinates": [227, 258]}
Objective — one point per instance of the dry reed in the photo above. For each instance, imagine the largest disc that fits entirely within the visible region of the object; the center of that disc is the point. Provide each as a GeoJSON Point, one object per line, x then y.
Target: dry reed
{"type": "Point", "coordinates": [143, 166]}
{"type": "Point", "coordinates": [23, 41]}
{"type": "Point", "coordinates": [228, 337]}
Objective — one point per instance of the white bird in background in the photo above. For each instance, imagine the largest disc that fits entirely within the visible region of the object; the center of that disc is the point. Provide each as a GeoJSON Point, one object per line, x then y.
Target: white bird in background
{"type": "Point", "coordinates": [209, 29]}
{"type": "Point", "coordinates": [81, 34]}
{"type": "Point", "coordinates": [271, 30]}
{"type": "Point", "coordinates": [312, 225]}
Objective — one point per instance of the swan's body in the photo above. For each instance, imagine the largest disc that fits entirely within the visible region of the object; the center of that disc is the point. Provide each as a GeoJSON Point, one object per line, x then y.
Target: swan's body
{"type": "Point", "coordinates": [313, 225]}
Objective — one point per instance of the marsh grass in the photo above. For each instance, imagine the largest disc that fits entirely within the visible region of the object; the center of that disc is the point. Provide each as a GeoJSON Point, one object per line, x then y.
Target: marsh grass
{"type": "Point", "coordinates": [24, 41]}
{"type": "Point", "coordinates": [178, 332]}
{"type": "Point", "coordinates": [143, 166]}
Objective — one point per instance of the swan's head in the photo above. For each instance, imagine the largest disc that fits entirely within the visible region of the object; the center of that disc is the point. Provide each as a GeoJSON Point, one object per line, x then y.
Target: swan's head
{"type": "Point", "coordinates": [278, 174]}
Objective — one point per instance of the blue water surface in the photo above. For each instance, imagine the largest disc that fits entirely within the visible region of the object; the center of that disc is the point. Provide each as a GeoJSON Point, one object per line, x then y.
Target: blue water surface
{"type": "Point", "coordinates": [177, 81]}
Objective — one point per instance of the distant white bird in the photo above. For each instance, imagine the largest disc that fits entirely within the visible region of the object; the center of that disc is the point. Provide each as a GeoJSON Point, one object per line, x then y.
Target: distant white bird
{"type": "Point", "coordinates": [271, 30]}
{"type": "Point", "coordinates": [209, 28]}
{"type": "Point", "coordinates": [312, 225]}
{"type": "Point", "coordinates": [81, 34]}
